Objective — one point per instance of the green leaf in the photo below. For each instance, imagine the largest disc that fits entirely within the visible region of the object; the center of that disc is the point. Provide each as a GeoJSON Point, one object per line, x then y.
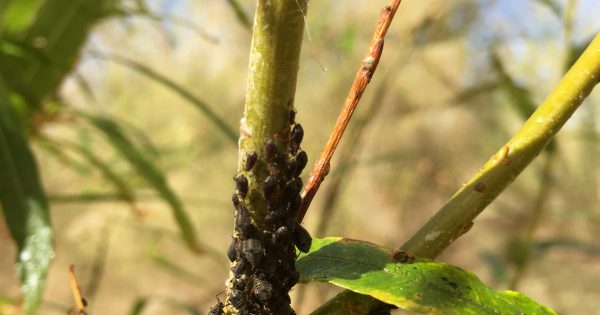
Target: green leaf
{"type": "Point", "coordinates": [204, 107]}
{"type": "Point", "coordinates": [147, 169]}
{"type": "Point", "coordinates": [519, 96]}
{"type": "Point", "coordinates": [122, 189]}
{"type": "Point", "coordinates": [414, 284]}
{"type": "Point", "coordinates": [54, 29]}
{"type": "Point", "coordinates": [25, 207]}
{"type": "Point", "coordinates": [240, 14]}
{"type": "Point", "coordinates": [15, 15]}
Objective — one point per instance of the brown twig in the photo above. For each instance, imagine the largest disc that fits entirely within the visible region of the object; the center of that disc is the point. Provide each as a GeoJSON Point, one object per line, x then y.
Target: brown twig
{"type": "Point", "coordinates": [362, 79]}
{"type": "Point", "coordinates": [79, 300]}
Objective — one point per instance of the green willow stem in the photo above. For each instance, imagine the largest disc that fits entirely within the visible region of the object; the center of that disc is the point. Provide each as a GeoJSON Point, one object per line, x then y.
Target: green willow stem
{"type": "Point", "coordinates": [274, 59]}
{"type": "Point", "coordinates": [501, 170]}
{"type": "Point", "coordinates": [273, 71]}
{"type": "Point", "coordinates": [457, 215]}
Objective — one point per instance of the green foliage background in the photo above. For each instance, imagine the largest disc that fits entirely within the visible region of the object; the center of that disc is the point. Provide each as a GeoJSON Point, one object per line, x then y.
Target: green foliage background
{"type": "Point", "coordinates": [456, 79]}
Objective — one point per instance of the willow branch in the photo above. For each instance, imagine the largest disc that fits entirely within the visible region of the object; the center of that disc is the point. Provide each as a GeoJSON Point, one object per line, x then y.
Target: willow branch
{"type": "Point", "coordinates": [456, 217]}
{"type": "Point", "coordinates": [501, 170]}
{"type": "Point", "coordinates": [362, 79]}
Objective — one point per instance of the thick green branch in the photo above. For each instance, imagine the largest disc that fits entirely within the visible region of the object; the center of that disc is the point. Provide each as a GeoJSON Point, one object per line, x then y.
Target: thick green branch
{"type": "Point", "coordinates": [500, 171]}
{"type": "Point", "coordinates": [456, 216]}
{"type": "Point", "coordinates": [268, 185]}
{"type": "Point", "coordinates": [274, 59]}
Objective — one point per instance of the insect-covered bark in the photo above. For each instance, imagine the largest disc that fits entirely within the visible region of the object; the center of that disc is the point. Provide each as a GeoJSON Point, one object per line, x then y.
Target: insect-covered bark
{"type": "Point", "coordinates": [267, 185]}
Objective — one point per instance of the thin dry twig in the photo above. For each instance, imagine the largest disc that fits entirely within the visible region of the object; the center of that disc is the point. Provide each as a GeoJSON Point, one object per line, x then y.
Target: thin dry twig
{"type": "Point", "coordinates": [362, 79]}
{"type": "Point", "coordinates": [80, 302]}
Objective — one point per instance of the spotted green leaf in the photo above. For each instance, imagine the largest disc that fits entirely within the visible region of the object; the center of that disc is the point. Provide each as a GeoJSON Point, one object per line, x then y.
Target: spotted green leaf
{"type": "Point", "coordinates": [414, 284]}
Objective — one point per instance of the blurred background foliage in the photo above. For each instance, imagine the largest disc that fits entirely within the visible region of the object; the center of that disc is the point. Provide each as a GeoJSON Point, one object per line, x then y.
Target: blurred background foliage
{"type": "Point", "coordinates": [131, 110]}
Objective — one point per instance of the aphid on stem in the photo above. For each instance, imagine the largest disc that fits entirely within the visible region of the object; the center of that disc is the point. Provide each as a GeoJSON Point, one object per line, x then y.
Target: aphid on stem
{"type": "Point", "coordinates": [241, 185]}
{"type": "Point", "coordinates": [250, 161]}
{"type": "Point", "coordinates": [302, 239]}
{"type": "Point", "coordinates": [270, 150]}
{"type": "Point", "coordinates": [402, 256]}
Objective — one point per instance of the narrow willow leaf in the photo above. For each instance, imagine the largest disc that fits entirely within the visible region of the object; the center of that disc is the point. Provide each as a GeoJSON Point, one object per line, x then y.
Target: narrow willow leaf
{"type": "Point", "coordinates": [147, 169]}
{"type": "Point", "coordinates": [520, 97]}
{"type": "Point", "coordinates": [241, 15]}
{"type": "Point", "coordinates": [173, 268]}
{"type": "Point", "coordinates": [139, 306]}
{"type": "Point", "coordinates": [59, 43]}
{"type": "Point", "coordinates": [481, 89]}
{"type": "Point", "coordinates": [25, 208]}
{"type": "Point", "coordinates": [204, 107]}
{"type": "Point", "coordinates": [122, 189]}
{"type": "Point", "coordinates": [411, 283]}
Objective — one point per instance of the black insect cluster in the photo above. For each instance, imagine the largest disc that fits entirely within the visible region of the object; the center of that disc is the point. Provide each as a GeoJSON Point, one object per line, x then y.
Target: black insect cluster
{"type": "Point", "coordinates": [263, 260]}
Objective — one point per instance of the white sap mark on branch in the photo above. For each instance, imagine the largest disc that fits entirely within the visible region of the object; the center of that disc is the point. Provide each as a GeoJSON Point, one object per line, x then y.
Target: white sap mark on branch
{"type": "Point", "coordinates": [245, 130]}
{"type": "Point", "coordinates": [432, 236]}
{"type": "Point", "coordinates": [368, 63]}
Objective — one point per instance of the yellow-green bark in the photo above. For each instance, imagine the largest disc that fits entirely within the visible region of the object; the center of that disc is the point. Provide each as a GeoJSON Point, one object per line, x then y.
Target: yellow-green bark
{"type": "Point", "coordinates": [457, 215]}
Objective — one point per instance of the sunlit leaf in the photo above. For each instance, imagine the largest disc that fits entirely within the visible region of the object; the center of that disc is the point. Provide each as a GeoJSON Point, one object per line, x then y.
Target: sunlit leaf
{"type": "Point", "coordinates": [15, 15]}
{"type": "Point", "coordinates": [414, 284]}
{"type": "Point", "coordinates": [148, 170]}
{"type": "Point", "coordinates": [25, 207]}
{"type": "Point", "coordinates": [54, 29]}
